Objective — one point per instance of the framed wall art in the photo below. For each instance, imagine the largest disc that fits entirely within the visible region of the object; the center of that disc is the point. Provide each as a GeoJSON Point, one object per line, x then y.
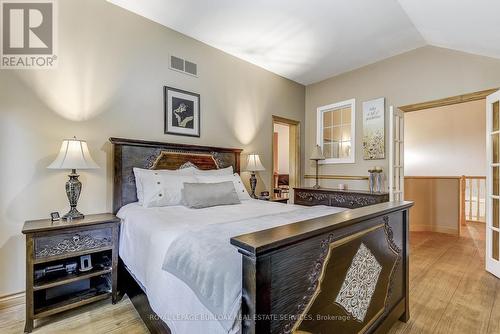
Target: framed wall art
{"type": "Point", "coordinates": [182, 112]}
{"type": "Point", "coordinates": [374, 129]}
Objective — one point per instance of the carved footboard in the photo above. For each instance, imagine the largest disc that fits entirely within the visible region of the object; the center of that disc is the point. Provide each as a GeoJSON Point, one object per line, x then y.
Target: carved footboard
{"type": "Point", "coordinates": [344, 273]}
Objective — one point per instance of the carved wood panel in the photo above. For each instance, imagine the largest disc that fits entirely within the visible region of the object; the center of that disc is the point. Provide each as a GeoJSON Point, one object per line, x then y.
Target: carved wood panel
{"type": "Point", "coordinates": [343, 199]}
{"type": "Point", "coordinates": [338, 262]}
{"type": "Point", "coordinates": [312, 198]}
{"type": "Point", "coordinates": [64, 243]}
{"type": "Point", "coordinates": [175, 160]}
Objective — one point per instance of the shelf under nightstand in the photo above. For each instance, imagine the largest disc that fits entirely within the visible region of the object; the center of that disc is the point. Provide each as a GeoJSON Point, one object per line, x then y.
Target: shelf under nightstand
{"type": "Point", "coordinates": [41, 285]}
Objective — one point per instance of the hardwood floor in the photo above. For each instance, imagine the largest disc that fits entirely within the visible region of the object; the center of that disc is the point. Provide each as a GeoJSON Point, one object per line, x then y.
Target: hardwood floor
{"type": "Point", "coordinates": [450, 292]}
{"type": "Point", "coordinates": [101, 317]}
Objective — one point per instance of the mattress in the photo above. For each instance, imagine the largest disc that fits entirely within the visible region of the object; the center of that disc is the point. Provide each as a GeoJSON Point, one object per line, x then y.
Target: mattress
{"type": "Point", "coordinates": [146, 234]}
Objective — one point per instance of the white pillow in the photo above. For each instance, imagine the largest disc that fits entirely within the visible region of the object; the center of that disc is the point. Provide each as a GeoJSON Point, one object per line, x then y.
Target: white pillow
{"type": "Point", "coordinates": [161, 189]}
{"type": "Point", "coordinates": [141, 173]}
{"type": "Point", "coordinates": [214, 172]}
{"type": "Point", "coordinates": [238, 183]}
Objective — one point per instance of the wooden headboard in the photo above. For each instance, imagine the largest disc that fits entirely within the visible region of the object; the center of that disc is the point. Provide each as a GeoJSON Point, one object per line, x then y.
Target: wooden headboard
{"type": "Point", "coordinates": [130, 153]}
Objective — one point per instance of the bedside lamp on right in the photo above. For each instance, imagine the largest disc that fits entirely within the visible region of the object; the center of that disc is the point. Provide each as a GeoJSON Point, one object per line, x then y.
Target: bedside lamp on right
{"type": "Point", "coordinates": [317, 155]}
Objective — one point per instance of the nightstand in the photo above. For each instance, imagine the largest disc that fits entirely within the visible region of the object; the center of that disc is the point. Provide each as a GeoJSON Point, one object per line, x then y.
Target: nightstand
{"type": "Point", "coordinates": [56, 253]}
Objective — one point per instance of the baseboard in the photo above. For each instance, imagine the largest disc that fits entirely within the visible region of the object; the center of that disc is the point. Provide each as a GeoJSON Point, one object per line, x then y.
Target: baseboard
{"type": "Point", "coordinates": [12, 300]}
{"type": "Point", "coordinates": [474, 221]}
{"type": "Point", "coordinates": [433, 228]}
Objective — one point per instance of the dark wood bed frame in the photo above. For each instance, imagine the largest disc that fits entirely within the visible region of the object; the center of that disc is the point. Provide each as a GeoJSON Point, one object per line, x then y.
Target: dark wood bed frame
{"type": "Point", "coordinates": [303, 277]}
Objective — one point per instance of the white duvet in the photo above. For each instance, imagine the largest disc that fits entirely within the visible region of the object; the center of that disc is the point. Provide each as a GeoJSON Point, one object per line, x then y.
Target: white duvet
{"type": "Point", "coordinates": [147, 233]}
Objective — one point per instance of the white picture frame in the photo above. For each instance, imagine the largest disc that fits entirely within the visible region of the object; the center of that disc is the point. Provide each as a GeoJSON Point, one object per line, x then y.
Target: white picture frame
{"type": "Point", "coordinates": [85, 263]}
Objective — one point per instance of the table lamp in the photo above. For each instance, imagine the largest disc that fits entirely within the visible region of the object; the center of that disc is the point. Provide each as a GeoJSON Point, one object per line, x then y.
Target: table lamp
{"type": "Point", "coordinates": [74, 154]}
{"type": "Point", "coordinates": [254, 165]}
{"type": "Point", "coordinates": [317, 155]}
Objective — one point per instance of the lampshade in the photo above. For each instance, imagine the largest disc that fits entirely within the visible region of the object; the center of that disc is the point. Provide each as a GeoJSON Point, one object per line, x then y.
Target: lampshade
{"type": "Point", "coordinates": [254, 164]}
{"type": "Point", "coordinates": [74, 154]}
{"type": "Point", "coordinates": [317, 154]}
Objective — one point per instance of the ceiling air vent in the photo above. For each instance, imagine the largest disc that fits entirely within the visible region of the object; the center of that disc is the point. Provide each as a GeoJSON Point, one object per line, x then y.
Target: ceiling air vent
{"type": "Point", "coordinates": [184, 66]}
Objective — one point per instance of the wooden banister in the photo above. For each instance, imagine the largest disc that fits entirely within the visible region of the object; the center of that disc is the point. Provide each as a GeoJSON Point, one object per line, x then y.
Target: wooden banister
{"type": "Point", "coordinates": [463, 187]}
{"type": "Point", "coordinates": [472, 199]}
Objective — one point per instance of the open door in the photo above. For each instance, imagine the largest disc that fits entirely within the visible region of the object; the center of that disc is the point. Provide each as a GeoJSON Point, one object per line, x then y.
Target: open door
{"type": "Point", "coordinates": [285, 176]}
{"type": "Point", "coordinates": [493, 184]}
{"type": "Point", "coordinates": [396, 154]}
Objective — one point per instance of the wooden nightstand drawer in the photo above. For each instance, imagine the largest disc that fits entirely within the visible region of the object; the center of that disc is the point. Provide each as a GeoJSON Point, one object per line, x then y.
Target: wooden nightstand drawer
{"type": "Point", "coordinates": [72, 242]}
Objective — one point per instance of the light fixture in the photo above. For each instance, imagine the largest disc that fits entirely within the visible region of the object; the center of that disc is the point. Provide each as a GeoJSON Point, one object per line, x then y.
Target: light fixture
{"type": "Point", "coordinates": [254, 165]}
{"type": "Point", "coordinates": [74, 154]}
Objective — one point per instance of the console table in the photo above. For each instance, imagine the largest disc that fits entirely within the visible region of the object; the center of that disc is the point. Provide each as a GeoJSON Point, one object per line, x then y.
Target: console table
{"type": "Point", "coordinates": [340, 198]}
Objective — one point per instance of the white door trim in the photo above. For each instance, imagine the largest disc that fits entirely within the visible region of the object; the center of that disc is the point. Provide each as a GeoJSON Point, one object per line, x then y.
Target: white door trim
{"type": "Point", "coordinates": [492, 265]}
{"type": "Point", "coordinates": [396, 154]}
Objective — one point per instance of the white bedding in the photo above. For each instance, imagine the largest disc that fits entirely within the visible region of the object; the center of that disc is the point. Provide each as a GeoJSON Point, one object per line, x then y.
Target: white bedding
{"type": "Point", "coordinates": [146, 234]}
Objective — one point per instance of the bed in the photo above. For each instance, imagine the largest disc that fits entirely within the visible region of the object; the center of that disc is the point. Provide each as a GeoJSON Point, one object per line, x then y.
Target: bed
{"type": "Point", "coordinates": [283, 268]}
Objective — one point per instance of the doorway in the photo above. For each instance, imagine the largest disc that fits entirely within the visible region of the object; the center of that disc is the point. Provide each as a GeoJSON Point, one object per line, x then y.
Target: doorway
{"type": "Point", "coordinates": [445, 160]}
{"type": "Point", "coordinates": [286, 158]}
{"type": "Point", "coordinates": [459, 150]}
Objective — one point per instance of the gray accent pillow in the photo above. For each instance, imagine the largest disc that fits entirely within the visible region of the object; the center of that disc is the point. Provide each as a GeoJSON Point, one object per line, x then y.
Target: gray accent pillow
{"type": "Point", "coordinates": [204, 195]}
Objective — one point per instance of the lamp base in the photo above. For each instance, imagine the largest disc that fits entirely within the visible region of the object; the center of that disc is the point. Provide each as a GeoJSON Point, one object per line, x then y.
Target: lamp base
{"type": "Point", "coordinates": [253, 184]}
{"type": "Point", "coordinates": [316, 186]}
{"type": "Point", "coordinates": [73, 190]}
{"type": "Point", "coordinates": [73, 213]}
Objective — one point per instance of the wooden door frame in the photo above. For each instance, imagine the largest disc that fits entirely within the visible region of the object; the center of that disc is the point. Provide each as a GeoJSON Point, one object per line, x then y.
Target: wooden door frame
{"type": "Point", "coordinates": [449, 100]}
{"type": "Point", "coordinates": [294, 126]}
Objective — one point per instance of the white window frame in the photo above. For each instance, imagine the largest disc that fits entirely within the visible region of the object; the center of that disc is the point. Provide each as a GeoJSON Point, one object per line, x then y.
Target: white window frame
{"type": "Point", "coordinates": [319, 130]}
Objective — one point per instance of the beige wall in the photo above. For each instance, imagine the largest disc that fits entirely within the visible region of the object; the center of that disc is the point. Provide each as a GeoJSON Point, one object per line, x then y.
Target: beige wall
{"type": "Point", "coordinates": [420, 75]}
{"type": "Point", "coordinates": [112, 67]}
{"type": "Point", "coordinates": [446, 141]}
{"type": "Point", "coordinates": [437, 204]}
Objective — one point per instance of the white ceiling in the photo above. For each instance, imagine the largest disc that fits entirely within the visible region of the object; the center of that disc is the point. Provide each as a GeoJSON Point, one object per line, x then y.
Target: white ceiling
{"type": "Point", "coordinates": [308, 41]}
{"type": "Point", "coordinates": [466, 25]}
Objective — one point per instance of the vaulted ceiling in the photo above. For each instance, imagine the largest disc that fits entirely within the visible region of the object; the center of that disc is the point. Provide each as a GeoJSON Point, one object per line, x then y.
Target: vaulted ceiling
{"type": "Point", "coordinates": [308, 41]}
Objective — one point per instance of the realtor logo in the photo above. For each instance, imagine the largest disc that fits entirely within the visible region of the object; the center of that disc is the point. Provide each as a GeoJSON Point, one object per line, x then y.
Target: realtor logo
{"type": "Point", "coordinates": [28, 34]}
